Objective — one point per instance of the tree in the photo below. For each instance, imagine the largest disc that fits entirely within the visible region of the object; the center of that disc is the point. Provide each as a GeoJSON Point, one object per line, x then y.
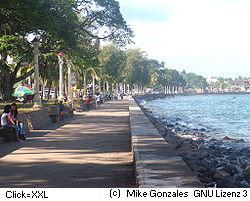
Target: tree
{"type": "Point", "coordinates": [105, 18]}
{"type": "Point", "coordinates": [137, 68]}
{"type": "Point", "coordinates": [73, 26]}
{"type": "Point", "coordinates": [171, 78]}
{"type": "Point", "coordinates": [195, 81]}
{"type": "Point", "coordinates": [14, 50]}
{"type": "Point", "coordinates": [113, 61]}
{"type": "Point", "coordinates": [20, 18]}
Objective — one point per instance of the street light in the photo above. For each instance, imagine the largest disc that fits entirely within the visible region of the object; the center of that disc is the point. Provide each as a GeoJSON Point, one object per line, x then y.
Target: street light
{"type": "Point", "coordinates": [60, 60]}
{"type": "Point", "coordinates": [70, 92]}
{"type": "Point", "coordinates": [37, 99]}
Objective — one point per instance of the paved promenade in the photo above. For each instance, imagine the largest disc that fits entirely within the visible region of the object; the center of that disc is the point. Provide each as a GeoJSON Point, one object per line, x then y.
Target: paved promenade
{"type": "Point", "coordinates": [91, 150]}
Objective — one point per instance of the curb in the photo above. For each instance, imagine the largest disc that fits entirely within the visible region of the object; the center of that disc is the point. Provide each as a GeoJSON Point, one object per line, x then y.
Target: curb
{"type": "Point", "coordinates": [156, 162]}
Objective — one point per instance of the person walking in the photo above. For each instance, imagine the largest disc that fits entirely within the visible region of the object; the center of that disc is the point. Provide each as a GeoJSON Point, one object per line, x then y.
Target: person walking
{"type": "Point", "coordinates": [98, 100]}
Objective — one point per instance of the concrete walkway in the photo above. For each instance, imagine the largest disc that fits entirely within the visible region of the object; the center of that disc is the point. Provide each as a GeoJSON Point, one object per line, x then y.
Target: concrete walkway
{"type": "Point", "coordinates": [92, 150]}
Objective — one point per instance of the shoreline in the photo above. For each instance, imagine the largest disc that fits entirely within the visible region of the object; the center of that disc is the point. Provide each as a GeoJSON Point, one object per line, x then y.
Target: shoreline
{"type": "Point", "coordinates": [217, 163]}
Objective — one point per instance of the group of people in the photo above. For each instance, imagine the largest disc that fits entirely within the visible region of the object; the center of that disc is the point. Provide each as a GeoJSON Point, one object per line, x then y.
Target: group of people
{"type": "Point", "coordinates": [9, 119]}
{"type": "Point", "coordinates": [89, 101]}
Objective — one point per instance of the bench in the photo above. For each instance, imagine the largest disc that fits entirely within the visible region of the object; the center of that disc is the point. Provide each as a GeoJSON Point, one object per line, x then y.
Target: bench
{"type": "Point", "coordinates": [7, 135]}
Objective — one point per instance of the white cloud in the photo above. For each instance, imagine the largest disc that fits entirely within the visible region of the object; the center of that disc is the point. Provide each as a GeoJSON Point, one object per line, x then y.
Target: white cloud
{"type": "Point", "coordinates": [207, 36]}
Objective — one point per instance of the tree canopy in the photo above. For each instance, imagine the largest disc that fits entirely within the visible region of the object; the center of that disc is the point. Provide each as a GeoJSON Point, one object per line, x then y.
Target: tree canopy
{"type": "Point", "coordinates": [194, 81]}
{"type": "Point", "coordinates": [72, 26]}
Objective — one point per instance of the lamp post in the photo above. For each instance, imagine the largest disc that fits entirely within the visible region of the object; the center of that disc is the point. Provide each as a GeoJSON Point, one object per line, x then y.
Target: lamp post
{"type": "Point", "coordinates": [37, 99]}
{"type": "Point", "coordinates": [70, 92]}
{"type": "Point", "coordinates": [84, 83]}
{"type": "Point", "coordinates": [60, 60]}
{"type": "Point", "coordinates": [93, 85]}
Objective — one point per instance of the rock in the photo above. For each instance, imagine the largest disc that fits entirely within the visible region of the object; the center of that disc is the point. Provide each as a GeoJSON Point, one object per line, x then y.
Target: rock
{"type": "Point", "coordinates": [239, 141]}
{"type": "Point", "coordinates": [230, 150]}
{"type": "Point", "coordinates": [211, 185]}
{"type": "Point", "coordinates": [232, 157]}
{"type": "Point", "coordinates": [220, 174]}
{"type": "Point", "coordinates": [185, 151]}
{"type": "Point", "coordinates": [247, 172]}
{"type": "Point", "coordinates": [238, 177]}
{"type": "Point", "coordinates": [231, 169]}
{"type": "Point", "coordinates": [227, 138]}
{"type": "Point", "coordinates": [245, 150]}
{"type": "Point", "coordinates": [228, 182]}
{"type": "Point", "coordinates": [212, 146]}
{"type": "Point", "coordinates": [170, 125]}
{"type": "Point", "coordinates": [178, 129]}
{"type": "Point", "coordinates": [245, 184]}
{"type": "Point", "coordinates": [200, 169]}
{"type": "Point", "coordinates": [205, 179]}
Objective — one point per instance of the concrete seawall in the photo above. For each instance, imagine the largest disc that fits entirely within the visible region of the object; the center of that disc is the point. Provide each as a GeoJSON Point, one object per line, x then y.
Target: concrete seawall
{"type": "Point", "coordinates": [157, 163]}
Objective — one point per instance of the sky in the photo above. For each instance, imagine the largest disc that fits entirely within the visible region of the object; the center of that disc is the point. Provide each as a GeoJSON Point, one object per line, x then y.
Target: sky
{"type": "Point", "coordinates": [208, 37]}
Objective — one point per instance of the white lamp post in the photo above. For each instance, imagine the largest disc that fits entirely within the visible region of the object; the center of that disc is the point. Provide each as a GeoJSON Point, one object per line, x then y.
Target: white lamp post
{"type": "Point", "coordinates": [85, 83]}
{"type": "Point", "coordinates": [37, 98]}
{"type": "Point", "coordinates": [70, 92]}
{"type": "Point", "coordinates": [60, 60]}
{"type": "Point", "coordinates": [93, 85]}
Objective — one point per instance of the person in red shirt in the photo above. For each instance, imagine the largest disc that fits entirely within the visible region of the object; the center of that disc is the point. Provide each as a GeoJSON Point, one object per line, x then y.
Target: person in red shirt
{"type": "Point", "coordinates": [88, 102]}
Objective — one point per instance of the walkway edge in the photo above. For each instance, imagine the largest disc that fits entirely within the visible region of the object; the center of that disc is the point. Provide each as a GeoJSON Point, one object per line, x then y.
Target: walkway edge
{"type": "Point", "coordinates": [156, 163]}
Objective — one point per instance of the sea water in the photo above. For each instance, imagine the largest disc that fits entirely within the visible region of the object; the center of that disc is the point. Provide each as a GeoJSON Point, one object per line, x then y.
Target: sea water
{"type": "Point", "coordinates": [220, 115]}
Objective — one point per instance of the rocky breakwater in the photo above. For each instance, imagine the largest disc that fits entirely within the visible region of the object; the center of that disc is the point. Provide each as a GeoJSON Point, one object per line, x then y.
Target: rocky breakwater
{"type": "Point", "coordinates": [217, 162]}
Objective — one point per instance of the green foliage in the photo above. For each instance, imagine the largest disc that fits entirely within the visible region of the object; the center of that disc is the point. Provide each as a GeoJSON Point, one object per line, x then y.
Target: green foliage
{"type": "Point", "coordinates": [195, 81]}
{"type": "Point", "coordinates": [18, 49]}
{"type": "Point", "coordinates": [113, 61]}
{"type": "Point", "coordinates": [56, 17]}
{"type": "Point", "coordinates": [72, 26]}
{"type": "Point", "coordinates": [170, 77]}
{"type": "Point", "coordinates": [137, 68]}
{"type": "Point", "coordinates": [104, 16]}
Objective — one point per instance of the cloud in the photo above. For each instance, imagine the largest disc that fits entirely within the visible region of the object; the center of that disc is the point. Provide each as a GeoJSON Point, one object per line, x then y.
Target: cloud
{"type": "Point", "coordinates": [197, 33]}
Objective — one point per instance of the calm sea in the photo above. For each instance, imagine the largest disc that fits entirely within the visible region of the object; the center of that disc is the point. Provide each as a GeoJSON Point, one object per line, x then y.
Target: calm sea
{"type": "Point", "coordinates": [221, 115]}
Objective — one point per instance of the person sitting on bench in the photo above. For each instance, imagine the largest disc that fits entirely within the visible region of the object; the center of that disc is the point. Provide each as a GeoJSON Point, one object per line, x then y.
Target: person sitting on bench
{"type": "Point", "coordinates": [7, 122]}
{"type": "Point", "coordinates": [13, 115]}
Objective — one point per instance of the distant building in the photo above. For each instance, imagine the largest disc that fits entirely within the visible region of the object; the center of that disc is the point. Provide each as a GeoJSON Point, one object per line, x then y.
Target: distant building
{"type": "Point", "coordinates": [212, 80]}
{"type": "Point", "coordinates": [240, 85]}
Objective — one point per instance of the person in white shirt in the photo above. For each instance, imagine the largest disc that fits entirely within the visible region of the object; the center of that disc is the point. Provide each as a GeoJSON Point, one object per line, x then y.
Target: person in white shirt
{"type": "Point", "coordinates": [6, 120]}
{"type": "Point", "coordinates": [98, 100]}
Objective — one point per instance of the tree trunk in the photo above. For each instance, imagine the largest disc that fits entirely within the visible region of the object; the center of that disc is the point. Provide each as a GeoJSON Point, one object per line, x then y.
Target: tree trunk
{"type": "Point", "coordinates": [56, 92]}
{"type": "Point", "coordinates": [49, 91]}
{"type": "Point", "coordinates": [9, 78]}
{"type": "Point", "coordinates": [6, 87]}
